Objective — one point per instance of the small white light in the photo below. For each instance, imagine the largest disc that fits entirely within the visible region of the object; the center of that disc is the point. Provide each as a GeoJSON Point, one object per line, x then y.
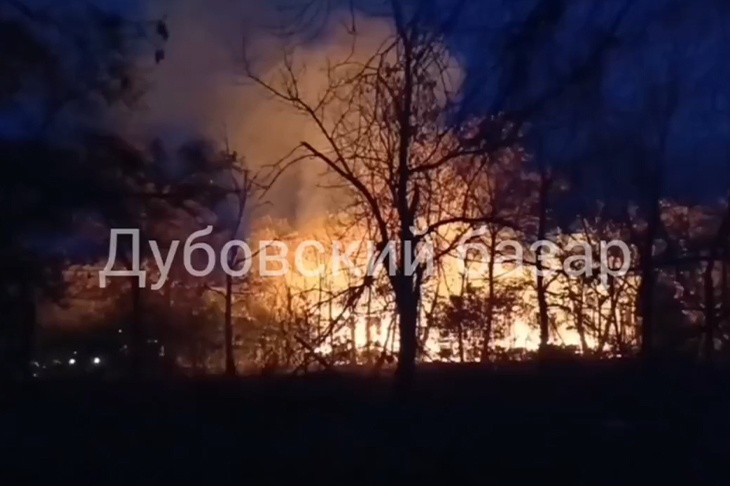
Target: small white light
{"type": "Point", "coordinates": [72, 361]}
{"type": "Point", "coordinates": [97, 360]}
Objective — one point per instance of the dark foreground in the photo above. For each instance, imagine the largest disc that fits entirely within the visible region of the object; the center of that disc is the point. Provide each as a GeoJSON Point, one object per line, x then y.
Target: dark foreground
{"type": "Point", "coordinates": [603, 424]}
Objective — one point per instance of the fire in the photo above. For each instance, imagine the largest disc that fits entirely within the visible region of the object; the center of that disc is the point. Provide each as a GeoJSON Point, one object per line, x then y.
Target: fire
{"type": "Point", "coordinates": [369, 321]}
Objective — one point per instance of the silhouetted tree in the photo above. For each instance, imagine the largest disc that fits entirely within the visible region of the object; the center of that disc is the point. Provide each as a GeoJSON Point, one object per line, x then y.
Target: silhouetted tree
{"type": "Point", "coordinates": [60, 68]}
{"type": "Point", "coordinates": [394, 132]}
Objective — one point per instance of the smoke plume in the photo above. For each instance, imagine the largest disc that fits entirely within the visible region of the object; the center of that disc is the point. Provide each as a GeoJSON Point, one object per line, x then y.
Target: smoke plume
{"type": "Point", "coordinates": [200, 89]}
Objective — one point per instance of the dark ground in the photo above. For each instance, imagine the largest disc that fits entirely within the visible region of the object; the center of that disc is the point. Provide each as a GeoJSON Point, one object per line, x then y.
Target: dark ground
{"type": "Point", "coordinates": [599, 424]}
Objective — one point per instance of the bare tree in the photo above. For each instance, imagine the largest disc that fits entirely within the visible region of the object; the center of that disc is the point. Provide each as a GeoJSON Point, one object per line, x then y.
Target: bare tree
{"type": "Point", "coordinates": [387, 141]}
{"type": "Point", "coordinates": [389, 137]}
{"type": "Point", "coordinates": [245, 191]}
{"type": "Point", "coordinates": [697, 263]}
{"type": "Point", "coordinates": [49, 69]}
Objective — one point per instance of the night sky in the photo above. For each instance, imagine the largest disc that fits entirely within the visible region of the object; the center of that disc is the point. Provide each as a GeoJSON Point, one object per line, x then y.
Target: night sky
{"type": "Point", "coordinates": [685, 48]}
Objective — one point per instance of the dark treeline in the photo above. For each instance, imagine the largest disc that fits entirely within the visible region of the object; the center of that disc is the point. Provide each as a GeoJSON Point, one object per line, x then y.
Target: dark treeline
{"type": "Point", "coordinates": [575, 120]}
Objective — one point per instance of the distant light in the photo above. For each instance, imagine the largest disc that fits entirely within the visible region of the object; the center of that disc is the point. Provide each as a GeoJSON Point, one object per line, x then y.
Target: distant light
{"type": "Point", "coordinates": [97, 360]}
{"type": "Point", "coordinates": [72, 361]}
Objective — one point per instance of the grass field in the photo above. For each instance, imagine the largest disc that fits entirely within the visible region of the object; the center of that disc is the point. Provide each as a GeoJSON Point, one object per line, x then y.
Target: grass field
{"type": "Point", "coordinates": [609, 423]}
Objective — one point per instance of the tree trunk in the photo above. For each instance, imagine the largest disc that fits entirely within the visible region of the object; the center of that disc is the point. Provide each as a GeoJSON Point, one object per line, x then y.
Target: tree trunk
{"type": "Point", "coordinates": [352, 324]}
{"type": "Point", "coordinates": [230, 363]}
{"type": "Point", "coordinates": [647, 287]}
{"type": "Point", "coordinates": [27, 337]}
{"type": "Point", "coordinates": [542, 306]}
{"type": "Point", "coordinates": [135, 341]}
{"type": "Point", "coordinates": [19, 335]}
{"type": "Point", "coordinates": [540, 279]}
{"type": "Point", "coordinates": [407, 321]}
{"type": "Point", "coordinates": [618, 327]}
{"type": "Point", "coordinates": [460, 338]}
{"type": "Point", "coordinates": [646, 311]}
{"type": "Point", "coordinates": [460, 320]}
{"type": "Point", "coordinates": [490, 302]}
{"type": "Point", "coordinates": [710, 311]}
{"type": "Point", "coordinates": [579, 325]}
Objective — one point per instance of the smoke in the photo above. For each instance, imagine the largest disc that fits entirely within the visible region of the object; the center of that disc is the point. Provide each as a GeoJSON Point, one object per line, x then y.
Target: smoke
{"type": "Point", "coordinates": [200, 89]}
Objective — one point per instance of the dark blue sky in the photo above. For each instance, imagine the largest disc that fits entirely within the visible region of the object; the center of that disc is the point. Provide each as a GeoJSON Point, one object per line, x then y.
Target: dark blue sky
{"type": "Point", "coordinates": [669, 52]}
{"type": "Point", "coordinates": [667, 71]}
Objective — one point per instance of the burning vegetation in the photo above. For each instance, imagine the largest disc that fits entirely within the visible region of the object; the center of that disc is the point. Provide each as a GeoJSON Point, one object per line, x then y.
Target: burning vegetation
{"type": "Point", "coordinates": [372, 134]}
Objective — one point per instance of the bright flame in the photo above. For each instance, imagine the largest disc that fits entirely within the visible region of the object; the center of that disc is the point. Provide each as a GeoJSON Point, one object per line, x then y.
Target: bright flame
{"type": "Point", "coordinates": [370, 322]}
